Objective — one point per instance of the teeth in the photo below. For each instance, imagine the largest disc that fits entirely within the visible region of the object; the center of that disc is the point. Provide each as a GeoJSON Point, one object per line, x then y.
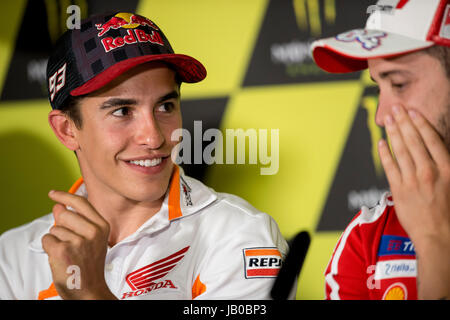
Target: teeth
{"type": "Point", "coordinates": [147, 163]}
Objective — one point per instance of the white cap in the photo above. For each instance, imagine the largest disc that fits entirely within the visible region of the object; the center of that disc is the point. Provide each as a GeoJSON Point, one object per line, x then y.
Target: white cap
{"type": "Point", "coordinates": [394, 27]}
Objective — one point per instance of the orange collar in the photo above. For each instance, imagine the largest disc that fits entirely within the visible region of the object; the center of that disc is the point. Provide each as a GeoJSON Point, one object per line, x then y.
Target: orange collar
{"type": "Point", "coordinates": [174, 193]}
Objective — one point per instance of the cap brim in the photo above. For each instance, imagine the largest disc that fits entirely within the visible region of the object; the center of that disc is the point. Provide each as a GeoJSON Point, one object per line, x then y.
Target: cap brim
{"type": "Point", "coordinates": [337, 56]}
{"type": "Point", "coordinates": [189, 70]}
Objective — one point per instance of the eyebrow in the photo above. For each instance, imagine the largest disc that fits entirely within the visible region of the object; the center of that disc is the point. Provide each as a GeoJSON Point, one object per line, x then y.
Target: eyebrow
{"type": "Point", "coordinates": [171, 95]}
{"type": "Point", "coordinates": [386, 74]}
{"type": "Point", "coordinates": [115, 102]}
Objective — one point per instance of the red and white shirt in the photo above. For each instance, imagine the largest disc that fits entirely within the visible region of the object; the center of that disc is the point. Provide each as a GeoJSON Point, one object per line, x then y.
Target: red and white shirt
{"type": "Point", "coordinates": [373, 259]}
{"type": "Point", "coordinates": [200, 245]}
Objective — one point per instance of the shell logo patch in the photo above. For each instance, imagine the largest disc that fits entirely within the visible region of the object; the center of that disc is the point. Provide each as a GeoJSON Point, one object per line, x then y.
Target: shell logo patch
{"type": "Point", "coordinates": [261, 262]}
{"type": "Point", "coordinates": [396, 291]}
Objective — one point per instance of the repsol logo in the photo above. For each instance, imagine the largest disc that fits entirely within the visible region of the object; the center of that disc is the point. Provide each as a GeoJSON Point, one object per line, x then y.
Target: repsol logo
{"type": "Point", "coordinates": [264, 262]}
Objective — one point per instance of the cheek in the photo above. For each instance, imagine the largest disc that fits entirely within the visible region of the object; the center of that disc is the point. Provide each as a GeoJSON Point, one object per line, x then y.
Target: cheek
{"type": "Point", "coordinates": [435, 104]}
{"type": "Point", "coordinates": [114, 139]}
{"type": "Point", "coordinates": [427, 99]}
{"type": "Point", "coordinates": [104, 140]}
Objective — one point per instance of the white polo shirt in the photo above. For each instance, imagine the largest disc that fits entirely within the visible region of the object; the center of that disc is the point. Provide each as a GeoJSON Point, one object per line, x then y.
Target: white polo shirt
{"type": "Point", "coordinates": [200, 245]}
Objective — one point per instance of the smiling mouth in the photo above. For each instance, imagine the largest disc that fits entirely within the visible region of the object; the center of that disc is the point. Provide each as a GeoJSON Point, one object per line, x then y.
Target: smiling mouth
{"type": "Point", "coordinates": [147, 163]}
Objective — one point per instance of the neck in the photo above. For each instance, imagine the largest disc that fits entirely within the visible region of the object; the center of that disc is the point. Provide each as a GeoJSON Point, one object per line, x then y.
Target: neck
{"type": "Point", "coordinates": [125, 208]}
{"type": "Point", "coordinates": [124, 215]}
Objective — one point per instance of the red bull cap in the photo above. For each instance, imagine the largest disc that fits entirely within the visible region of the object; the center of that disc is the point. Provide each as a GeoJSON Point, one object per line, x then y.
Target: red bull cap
{"type": "Point", "coordinates": [394, 27]}
{"type": "Point", "coordinates": [86, 59]}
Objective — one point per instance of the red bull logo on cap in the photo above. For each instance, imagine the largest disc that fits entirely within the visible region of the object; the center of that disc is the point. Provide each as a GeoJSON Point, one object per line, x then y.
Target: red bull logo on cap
{"type": "Point", "coordinates": [124, 20]}
{"type": "Point", "coordinates": [128, 21]}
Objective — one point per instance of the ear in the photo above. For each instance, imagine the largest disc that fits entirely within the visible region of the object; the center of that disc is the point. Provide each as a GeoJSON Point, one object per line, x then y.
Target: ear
{"type": "Point", "coordinates": [64, 129]}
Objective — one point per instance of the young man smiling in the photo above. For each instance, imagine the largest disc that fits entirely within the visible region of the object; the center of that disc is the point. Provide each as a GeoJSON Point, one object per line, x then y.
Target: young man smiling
{"type": "Point", "coordinates": [400, 249]}
{"type": "Point", "coordinates": [134, 227]}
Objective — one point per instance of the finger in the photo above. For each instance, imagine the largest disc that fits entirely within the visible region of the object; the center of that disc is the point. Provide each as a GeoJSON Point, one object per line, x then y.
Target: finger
{"type": "Point", "coordinates": [412, 138]}
{"type": "Point", "coordinates": [57, 209]}
{"type": "Point", "coordinates": [49, 242]}
{"type": "Point", "coordinates": [75, 222]}
{"type": "Point", "coordinates": [80, 204]}
{"type": "Point", "coordinates": [401, 153]}
{"type": "Point", "coordinates": [389, 164]}
{"type": "Point", "coordinates": [435, 146]}
{"type": "Point", "coordinates": [67, 235]}
{"type": "Point", "coordinates": [56, 250]}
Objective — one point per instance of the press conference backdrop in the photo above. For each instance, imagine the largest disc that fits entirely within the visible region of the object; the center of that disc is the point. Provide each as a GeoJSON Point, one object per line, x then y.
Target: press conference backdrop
{"type": "Point", "coordinates": [260, 76]}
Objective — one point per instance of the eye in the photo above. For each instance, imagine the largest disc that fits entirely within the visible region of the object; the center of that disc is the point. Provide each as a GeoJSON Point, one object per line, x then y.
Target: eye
{"type": "Point", "coordinates": [121, 112]}
{"type": "Point", "coordinates": [399, 85]}
{"type": "Point", "coordinates": [166, 107]}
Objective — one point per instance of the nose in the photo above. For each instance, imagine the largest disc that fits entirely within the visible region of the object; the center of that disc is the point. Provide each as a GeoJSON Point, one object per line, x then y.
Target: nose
{"type": "Point", "coordinates": [385, 103]}
{"type": "Point", "coordinates": [148, 133]}
{"type": "Point", "coordinates": [380, 114]}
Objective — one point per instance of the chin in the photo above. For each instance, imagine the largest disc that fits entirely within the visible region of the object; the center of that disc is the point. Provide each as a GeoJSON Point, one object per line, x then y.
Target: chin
{"type": "Point", "coordinates": [148, 192]}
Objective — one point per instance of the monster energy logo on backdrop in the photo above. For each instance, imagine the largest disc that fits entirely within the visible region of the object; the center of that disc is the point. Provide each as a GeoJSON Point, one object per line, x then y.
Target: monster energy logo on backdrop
{"type": "Point", "coordinates": [282, 55]}
{"type": "Point", "coordinates": [308, 17]}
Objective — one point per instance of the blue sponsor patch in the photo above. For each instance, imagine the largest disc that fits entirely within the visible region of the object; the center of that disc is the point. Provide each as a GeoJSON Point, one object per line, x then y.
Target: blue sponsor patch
{"type": "Point", "coordinates": [395, 245]}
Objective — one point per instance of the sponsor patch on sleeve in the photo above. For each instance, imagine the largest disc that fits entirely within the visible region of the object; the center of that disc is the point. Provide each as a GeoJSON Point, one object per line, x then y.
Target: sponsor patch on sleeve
{"type": "Point", "coordinates": [261, 262]}
{"type": "Point", "coordinates": [401, 268]}
{"type": "Point", "coordinates": [395, 245]}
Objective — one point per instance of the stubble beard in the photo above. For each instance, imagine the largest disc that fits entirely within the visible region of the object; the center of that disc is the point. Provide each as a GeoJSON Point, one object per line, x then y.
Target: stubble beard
{"type": "Point", "coordinates": [443, 127]}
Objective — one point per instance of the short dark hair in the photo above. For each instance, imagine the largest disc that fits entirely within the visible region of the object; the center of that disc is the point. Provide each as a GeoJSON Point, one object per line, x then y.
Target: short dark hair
{"type": "Point", "coordinates": [71, 108]}
{"type": "Point", "coordinates": [442, 54]}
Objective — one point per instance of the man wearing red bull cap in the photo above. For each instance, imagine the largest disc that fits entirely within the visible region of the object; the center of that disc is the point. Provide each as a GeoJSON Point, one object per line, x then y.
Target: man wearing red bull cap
{"type": "Point", "coordinates": [400, 249]}
{"type": "Point", "coordinates": [134, 226]}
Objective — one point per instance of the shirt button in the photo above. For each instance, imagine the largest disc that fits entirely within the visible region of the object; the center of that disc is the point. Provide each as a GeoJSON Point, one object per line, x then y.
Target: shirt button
{"type": "Point", "coordinates": [109, 267]}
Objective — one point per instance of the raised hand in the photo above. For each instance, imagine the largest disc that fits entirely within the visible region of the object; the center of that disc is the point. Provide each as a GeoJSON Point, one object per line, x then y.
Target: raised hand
{"type": "Point", "coordinates": [77, 239]}
{"type": "Point", "coordinates": [419, 179]}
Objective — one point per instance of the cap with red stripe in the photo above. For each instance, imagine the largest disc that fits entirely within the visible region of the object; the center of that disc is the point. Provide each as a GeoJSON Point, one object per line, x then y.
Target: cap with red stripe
{"type": "Point", "coordinates": [394, 27]}
{"type": "Point", "coordinates": [107, 45]}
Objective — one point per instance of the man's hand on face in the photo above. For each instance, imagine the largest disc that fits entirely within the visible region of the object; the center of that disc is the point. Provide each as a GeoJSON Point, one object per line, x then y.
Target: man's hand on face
{"type": "Point", "coordinates": [77, 239]}
{"type": "Point", "coordinates": [419, 179]}
{"type": "Point", "coordinates": [419, 176]}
